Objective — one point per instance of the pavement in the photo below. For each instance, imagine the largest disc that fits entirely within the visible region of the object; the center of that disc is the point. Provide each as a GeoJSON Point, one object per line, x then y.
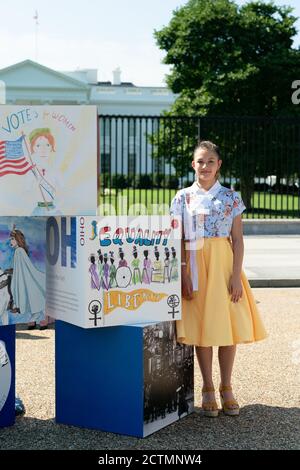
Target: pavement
{"type": "Point", "coordinates": [266, 382]}
{"type": "Point", "coordinates": [272, 260]}
{"type": "Point", "coordinates": [266, 377]}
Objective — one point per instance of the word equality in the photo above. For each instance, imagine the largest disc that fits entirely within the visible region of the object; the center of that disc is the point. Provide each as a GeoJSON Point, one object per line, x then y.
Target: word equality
{"type": "Point", "coordinates": [135, 235]}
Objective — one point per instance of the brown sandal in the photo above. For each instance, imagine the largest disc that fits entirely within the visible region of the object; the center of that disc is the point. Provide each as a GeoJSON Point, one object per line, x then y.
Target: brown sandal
{"type": "Point", "coordinates": [230, 407]}
{"type": "Point", "coordinates": [210, 408]}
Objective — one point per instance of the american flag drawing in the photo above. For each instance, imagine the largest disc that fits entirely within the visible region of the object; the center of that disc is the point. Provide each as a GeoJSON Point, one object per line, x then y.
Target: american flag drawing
{"type": "Point", "coordinates": [12, 158]}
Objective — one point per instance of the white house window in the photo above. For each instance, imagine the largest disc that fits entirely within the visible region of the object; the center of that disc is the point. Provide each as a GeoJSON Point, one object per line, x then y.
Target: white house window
{"type": "Point", "coordinates": [106, 90]}
{"type": "Point", "coordinates": [160, 92]}
{"type": "Point", "coordinates": [133, 91]}
{"type": "Point", "coordinates": [29, 102]}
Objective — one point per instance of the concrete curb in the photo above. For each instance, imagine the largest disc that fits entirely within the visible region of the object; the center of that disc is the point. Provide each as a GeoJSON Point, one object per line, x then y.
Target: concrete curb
{"type": "Point", "coordinates": [271, 227]}
{"type": "Point", "coordinates": [274, 282]}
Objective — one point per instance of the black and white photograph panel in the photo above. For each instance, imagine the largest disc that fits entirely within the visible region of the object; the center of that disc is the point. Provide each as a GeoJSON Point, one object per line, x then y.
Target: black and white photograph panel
{"type": "Point", "coordinates": [168, 377]}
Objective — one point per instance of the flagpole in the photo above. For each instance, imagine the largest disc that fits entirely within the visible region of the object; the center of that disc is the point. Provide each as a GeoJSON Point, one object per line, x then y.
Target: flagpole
{"type": "Point", "coordinates": [36, 17]}
{"type": "Point", "coordinates": [31, 161]}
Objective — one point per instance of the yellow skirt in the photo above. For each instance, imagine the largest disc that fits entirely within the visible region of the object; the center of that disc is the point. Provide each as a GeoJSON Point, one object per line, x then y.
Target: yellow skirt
{"type": "Point", "coordinates": [211, 318]}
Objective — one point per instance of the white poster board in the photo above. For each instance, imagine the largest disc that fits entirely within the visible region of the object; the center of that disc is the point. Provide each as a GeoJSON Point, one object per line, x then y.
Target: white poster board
{"type": "Point", "coordinates": [48, 160]}
{"type": "Point", "coordinates": [22, 270]}
{"type": "Point", "coordinates": [113, 270]}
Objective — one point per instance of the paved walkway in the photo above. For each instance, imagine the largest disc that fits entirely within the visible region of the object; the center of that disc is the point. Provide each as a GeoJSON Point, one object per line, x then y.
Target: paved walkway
{"type": "Point", "coordinates": [266, 382]}
{"type": "Point", "coordinates": [272, 261]}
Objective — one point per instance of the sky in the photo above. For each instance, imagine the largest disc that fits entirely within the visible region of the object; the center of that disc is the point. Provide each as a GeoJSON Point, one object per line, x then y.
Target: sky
{"type": "Point", "coordinates": [95, 34]}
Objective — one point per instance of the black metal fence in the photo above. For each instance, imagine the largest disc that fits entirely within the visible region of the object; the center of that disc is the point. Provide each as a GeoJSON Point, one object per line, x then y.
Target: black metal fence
{"type": "Point", "coordinates": [144, 160]}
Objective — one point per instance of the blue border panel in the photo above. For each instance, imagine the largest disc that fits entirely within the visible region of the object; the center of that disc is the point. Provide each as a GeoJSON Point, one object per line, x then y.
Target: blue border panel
{"type": "Point", "coordinates": [7, 414]}
{"type": "Point", "coordinates": [99, 378]}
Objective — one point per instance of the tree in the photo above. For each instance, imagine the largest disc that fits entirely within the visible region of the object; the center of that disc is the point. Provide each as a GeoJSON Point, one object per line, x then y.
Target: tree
{"type": "Point", "coordinates": [231, 61]}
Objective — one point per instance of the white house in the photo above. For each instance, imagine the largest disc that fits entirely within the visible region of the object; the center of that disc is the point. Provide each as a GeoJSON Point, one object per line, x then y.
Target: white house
{"type": "Point", "coordinates": [122, 148]}
{"type": "Point", "coordinates": [28, 82]}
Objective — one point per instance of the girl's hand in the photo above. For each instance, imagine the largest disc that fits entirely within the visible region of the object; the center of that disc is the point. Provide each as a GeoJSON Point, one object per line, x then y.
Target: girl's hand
{"type": "Point", "coordinates": [235, 288]}
{"type": "Point", "coordinates": [186, 284]}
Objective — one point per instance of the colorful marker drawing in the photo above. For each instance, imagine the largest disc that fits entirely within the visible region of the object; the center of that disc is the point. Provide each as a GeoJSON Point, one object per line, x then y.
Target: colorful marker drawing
{"type": "Point", "coordinates": [48, 159]}
{"type": "Point", "coordinates": [106, 271]}
{"type": "Point", "coordinates": [105, 275]}
{"type": "Point", "coordinates": [22, 270]}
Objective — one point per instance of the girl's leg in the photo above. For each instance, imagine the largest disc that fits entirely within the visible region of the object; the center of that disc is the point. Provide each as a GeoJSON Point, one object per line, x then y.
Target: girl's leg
{"type": "Point", "coordinates": [226, 359]}
{"type": "Point", "coordinates": [205, 356]}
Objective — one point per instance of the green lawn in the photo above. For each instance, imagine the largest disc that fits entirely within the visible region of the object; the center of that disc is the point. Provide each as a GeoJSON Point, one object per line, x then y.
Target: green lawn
{"type": "Point", "coordinates": [157, 201]}
{"type": "Point", "coordinates": [275, 205]}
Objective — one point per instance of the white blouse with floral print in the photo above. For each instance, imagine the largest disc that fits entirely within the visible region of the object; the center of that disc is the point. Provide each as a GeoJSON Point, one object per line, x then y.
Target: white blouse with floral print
{"type": "Point", "coordinates": [206, 213]}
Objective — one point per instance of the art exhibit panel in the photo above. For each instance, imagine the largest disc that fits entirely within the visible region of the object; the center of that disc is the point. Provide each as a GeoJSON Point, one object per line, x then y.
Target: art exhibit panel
{"type": "Point", "coordinates": [48, 160]}
{"type": "Point", "coordinates": [22, 270]}
{"type": "Point", "coordinates": [113, 270]}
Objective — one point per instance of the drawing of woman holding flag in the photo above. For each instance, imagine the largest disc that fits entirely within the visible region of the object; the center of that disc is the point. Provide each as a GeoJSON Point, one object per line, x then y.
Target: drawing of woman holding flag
{"type": "Point", "coordinates": [42, 145]}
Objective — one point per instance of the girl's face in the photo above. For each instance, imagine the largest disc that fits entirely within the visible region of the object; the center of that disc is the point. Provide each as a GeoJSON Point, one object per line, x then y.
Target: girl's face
{"type": "Point", "coordinates": [206, 164]}
{"type": "Point", "coordinates": [41, 147]}
{"type": "Point", "coordinates": [13, 242]}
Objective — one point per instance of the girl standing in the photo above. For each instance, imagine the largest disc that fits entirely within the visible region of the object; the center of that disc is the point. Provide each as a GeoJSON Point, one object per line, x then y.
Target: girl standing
{"type": "Point", "coordinates": [218, 305]}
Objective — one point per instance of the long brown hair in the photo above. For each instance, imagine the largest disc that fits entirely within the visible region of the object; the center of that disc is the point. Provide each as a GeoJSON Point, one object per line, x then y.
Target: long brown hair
{"type": "Point", "coordinates": [20, 239]}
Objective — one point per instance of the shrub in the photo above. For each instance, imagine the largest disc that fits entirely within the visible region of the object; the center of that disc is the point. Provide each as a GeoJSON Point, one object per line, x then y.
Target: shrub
{"type": "Point", "coordinates": [158, 180]}
{"type": "Point", "coordinates": [171, 182]}
{"type": "Point", "coordinates": [119, 181]}
{"type": "Point", "coordinates": [143, 182]}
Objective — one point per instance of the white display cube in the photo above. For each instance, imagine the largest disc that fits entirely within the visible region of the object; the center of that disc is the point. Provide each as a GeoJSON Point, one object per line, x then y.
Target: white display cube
{"type": "Point", "coordinates": [113, 270]}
